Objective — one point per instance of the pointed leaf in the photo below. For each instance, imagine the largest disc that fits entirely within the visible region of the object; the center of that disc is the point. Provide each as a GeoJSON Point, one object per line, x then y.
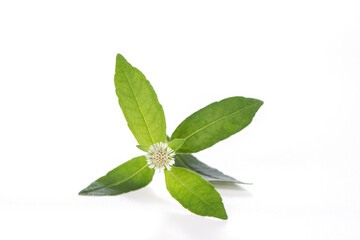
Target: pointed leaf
{"type": "Point", "coordinates": [215, 122]}
{"type": "Point", "coordinates": [143, 148]}
{"type": "Point", "coordinates": [194, 193]}
{"type": "Point", "coordinates": [129, 176]}
{"type": "Point", "coordinates": [176, 144]}
{"type": "Point", "coordinates": [210, 174]}
{"type": "Point", "coordinates": [139, 104]}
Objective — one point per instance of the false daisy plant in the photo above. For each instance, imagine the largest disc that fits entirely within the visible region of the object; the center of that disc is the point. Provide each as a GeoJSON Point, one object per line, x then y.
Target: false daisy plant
{"type": "Point", "coordinates": [187, 179]}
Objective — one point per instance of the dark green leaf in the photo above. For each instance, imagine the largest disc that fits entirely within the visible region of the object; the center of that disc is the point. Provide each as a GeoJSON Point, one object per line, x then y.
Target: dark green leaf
{"type": "Point", "coordinates": [176, 144]}
{"type": "Point", "coordinates": [210, 174]}
{"type": "Point", "coordinates": [194, 193]}
{"type": "Point", "coordinates": [139, 104]}
{"type": "Point", "coordinates": [129, 176]}
{"type": "Point", "coordinates": [215, 122]}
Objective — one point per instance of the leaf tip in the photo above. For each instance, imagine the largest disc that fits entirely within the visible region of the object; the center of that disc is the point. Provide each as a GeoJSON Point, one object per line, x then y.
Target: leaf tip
{"type": "Point", "coordinates": [119, 55]}
{"type": "Point", "coordinates": [176, 144]}
{"type": "Point", "coordinates": [224, 216]}
{"type": "Point", "coordinates": [221, 214]}
{"type": "Point", "coordinates": [143, 148]}
{"type": "Point", "coordinates": [83, 192]}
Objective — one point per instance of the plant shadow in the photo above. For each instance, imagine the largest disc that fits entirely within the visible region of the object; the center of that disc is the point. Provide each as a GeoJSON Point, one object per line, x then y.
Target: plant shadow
{"type": "Point", "coordinates": [194, 227]}
{"type": "Point", "coordinates": [145, 196]}
{"type": "Point", "coordinates": [231, 189]}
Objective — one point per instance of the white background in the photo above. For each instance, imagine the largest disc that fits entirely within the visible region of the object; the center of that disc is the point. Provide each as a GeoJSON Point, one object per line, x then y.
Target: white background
{"type": "Point", "coordinates": [61, 127]}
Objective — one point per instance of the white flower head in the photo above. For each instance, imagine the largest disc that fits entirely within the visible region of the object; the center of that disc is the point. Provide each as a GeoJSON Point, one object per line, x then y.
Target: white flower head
{"type": "Point", "coordinates": [160, 156]}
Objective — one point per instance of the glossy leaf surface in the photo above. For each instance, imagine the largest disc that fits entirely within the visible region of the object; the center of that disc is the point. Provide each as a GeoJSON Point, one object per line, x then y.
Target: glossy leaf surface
{"type": "Point", "coordinates": [215, 122]}
{"type": "Point", "coordinates": [139, 104]}
{"type": "Point", "coordinates": [129, 176]}
{"type": "Point", "coordinates": [194, 193]}
{"type": "Point", "coordinates": [210, 174]}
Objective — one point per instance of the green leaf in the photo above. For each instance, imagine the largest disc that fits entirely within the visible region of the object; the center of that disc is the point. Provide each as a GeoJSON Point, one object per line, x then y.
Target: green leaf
{"type": "Point", "coordinates": [139, 104]}
{"type": "Point", "coordinates": [143, 148]}
{"type": "Point", "coordinates": [215, 122]}
{"type": "Point", "coordinates": [129, 176]}
{"type": "Point", "coordinates": [194, 193]}
{"type": "Point", "coordinates": [210, 174]}
{"type": "Point", "coordinates": [176, 144]}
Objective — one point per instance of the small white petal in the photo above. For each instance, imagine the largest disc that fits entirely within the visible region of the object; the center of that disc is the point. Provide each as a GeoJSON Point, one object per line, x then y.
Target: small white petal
{"type": "Point", "coordinates": [160, 156]}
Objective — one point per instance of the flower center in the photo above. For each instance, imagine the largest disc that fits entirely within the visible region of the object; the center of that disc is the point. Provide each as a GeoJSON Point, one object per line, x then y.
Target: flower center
{"type": "Point", "coordinates": [160, 156]}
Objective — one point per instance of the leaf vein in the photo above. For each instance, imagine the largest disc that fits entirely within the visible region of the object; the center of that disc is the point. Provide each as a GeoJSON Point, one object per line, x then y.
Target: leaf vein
{"type": "Point", "coordinates": [216, 120]}
{"type": "Point", "coordinates": [122, 181]}
{"type": "Point", "coordinates": [198, 171]}
{"type": "Point", "coordinates": [137, 102]}
{"type": "Point", "coordinates": [193, 193]}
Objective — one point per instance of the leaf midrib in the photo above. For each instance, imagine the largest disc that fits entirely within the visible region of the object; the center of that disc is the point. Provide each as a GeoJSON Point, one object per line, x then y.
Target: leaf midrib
{"type": "Point", "coordinates": [198, 172]}
{"type": "Point", "coordinates": [193, 193]}
{"type": "Point", "coordinates": [122, 181]}
{"type": "Point", "coordinates": [213, 178]}
{"type": "Point", "coordinates": [137, 102]}
{"type": "Point", "coordinates": [219, 119]}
